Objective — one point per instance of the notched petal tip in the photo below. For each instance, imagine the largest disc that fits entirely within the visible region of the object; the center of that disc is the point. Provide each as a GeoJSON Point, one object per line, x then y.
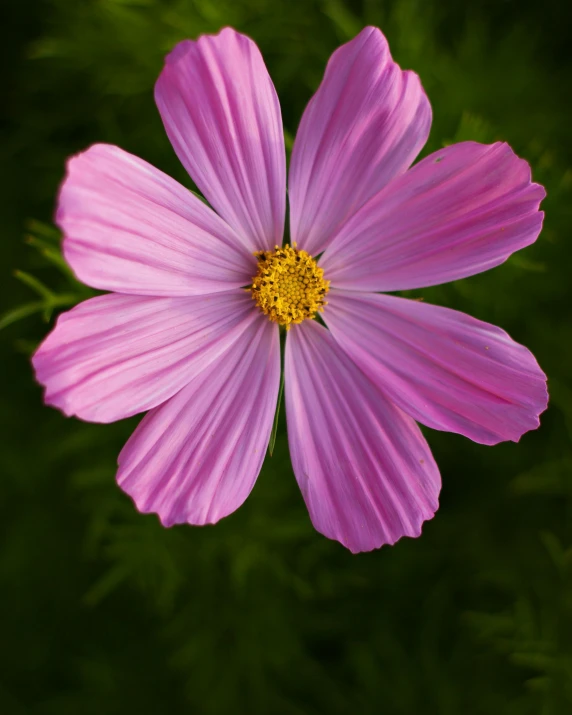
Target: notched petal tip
{"type": "Point", "coordinates": [73, 164]}
{"type": "Point", "coordinates": [364, 126]}
{"type": "Point", "coordinates": [195, 458]}
{"type": "Point", "coordinates": [413, 531]}
{"type": "Point", "coordinates": [182, 48]}
{"type": "Point", "coordinates": [168, 519]}
{"type": "Point", "coordinates": [447, 370]}
{"type": "Point", "coordinates": [365, 470]}
{"type": "Point", "coordinates": [222, 115]}
{"type": "Point", "coordinates": [460, 211]}
{"type": "Point", "coordinates": [114, 356]}
{"type": "Point", "coordinates": [130, 228]}
{"type": "Point", "coordinates": [543, 398]}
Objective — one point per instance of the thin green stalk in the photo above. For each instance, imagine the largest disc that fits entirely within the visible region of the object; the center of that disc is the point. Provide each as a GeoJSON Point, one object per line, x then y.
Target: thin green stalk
{"type": "Point", "coordinates": [280, 393]}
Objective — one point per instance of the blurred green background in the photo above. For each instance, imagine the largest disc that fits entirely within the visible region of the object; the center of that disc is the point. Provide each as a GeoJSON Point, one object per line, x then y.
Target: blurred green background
{"type": "Point", "coordinates": [102, 610]}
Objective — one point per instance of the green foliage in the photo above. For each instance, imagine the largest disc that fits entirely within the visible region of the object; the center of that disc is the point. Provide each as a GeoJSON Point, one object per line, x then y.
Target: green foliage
{"type": "Point", "coordinates": [104, 611]}
{"type": "Point", "coordinates": [46, 240]}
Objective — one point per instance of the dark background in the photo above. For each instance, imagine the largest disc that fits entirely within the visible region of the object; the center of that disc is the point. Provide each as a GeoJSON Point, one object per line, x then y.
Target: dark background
{"type": "Point", "coordinates": [102, 610]}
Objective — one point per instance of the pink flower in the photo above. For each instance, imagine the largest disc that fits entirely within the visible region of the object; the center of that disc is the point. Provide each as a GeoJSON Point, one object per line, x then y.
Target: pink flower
{"type": "Point", "coordinates": [190, 329]}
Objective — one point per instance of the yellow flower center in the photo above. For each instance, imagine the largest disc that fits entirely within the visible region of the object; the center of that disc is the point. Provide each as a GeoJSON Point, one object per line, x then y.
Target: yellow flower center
{"type": "Point", "coordinates": [289, 287]}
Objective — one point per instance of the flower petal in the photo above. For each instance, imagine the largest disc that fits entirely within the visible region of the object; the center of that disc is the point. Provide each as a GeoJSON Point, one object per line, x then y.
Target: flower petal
{"type": "Point", "coordinates": [444, 368]}
{"type": "Point", "coordinates": [195, 459]}
{"type": "Point", "coordinates": [364, 468]}
{"type": "Point", "coordinates": [116, 355]}
{"type": "Point", "coordinates": [364, 126]}
{"type": "Point", "coordinates": [460, 211]}
{"type": "Point", "coordinates": [129, 228]}
{"type": "Point", "coordinates": [222, 115]}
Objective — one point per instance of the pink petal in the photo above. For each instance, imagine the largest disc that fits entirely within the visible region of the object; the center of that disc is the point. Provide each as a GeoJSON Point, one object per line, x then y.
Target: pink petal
{"type": "Point", "coordinates": [129, 228]}
{"type": "Point", "coordinates": [222, 115]}
{"type": "Point", "coordinates": [116, 355]}
{"type": "Point", "coordinates": [460, 211]}
{"type": "Point", "coordinates": [195, 459]}
{"type": "Point", "coordinates": [364, 126]}
{"type": "Point", "coordinates": [364, 468]}
{"type": "Point", "coordinates": [444, 368]}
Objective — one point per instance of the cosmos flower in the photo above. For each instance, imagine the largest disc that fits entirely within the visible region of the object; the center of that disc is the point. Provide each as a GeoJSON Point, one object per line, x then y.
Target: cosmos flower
{"type": "Point", "coordinates": [190, 330]}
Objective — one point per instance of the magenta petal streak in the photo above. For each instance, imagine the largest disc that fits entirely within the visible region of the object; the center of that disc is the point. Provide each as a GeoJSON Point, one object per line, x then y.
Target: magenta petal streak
{"type": "Point", "coordinates": [364, 126]}
{"type": "Point", "coordinates": [129, 228]}
{"type": "Point", "coordinates": [195, 459]}
{"type": "Point", "coordinates": [365, 470]}
{"type": "Point", "coordinates": [460, 211]}
{"type": "Point", "coordinates": [114, 356]}
{"type": "Point", "coordinates": [447, 370]}
{"type": "Point", "coordinates": [222, 115]}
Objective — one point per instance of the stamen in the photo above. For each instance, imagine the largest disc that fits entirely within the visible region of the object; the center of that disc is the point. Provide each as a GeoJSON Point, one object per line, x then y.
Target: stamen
{"type": "Point", "coordinates": [289, 287]}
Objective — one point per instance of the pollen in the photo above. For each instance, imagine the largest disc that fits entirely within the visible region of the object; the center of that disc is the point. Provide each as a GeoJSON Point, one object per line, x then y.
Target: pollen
{"type": "Point", "coordinates": [289, 287]}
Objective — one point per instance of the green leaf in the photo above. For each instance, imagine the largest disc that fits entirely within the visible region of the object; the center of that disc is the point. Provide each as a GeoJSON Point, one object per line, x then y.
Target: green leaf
{"type": "Point", "coordinates": [45, 230]}
{"type": "Point", "coordinates": [51, 253]}
{"type": "Point", "coordinates": [22, 311]}
{"type": "Point", "coordinates": [33, 283]}
{"type": "Point", "coordinates": [46, 306]}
